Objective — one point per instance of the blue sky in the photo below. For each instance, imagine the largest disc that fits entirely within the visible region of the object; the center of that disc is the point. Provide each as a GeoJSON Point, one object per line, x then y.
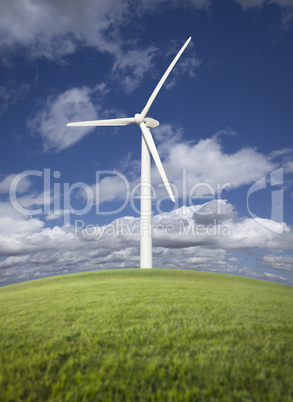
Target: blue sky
{"type": "Point", "coordinates": [69, 196]}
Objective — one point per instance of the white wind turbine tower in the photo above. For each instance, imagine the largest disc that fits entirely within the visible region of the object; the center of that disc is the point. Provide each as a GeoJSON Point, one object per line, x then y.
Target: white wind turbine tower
{"type": "Point", "coordinates": [147, 147]}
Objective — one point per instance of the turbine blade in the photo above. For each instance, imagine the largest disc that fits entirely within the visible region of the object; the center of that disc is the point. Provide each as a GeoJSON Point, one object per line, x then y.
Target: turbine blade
{"type": "Point", "coordinates": [153, 149]}
{"type": "Point", "coordinates": [163, 79]}
{"type": "Point", "coordinates": [110, 122]}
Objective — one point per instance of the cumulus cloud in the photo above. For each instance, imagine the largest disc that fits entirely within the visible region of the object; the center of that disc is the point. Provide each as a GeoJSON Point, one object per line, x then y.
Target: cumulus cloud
{"type": "Point", "coordinates": [280, 262]}
{"type": "Point", "coordinates": [56, 214]}
{"type": "Point", "coordinates": [204, 243]}
{"type": "Point", "coordinates": [217, 224]}
{"type": "Point", "coordinates": [74, 104]}
{"type": "Point", "coordinates": [24, 235]}
{"type": "Point", "coordinates": [274, 277]}
{"type": "Point", "coordinates": [195, 170]}
{"type": "Point", "coordinates": [12, 223]}
{"type": "Point", "coordinates": [13, 262]}
{"type": "Point", "coordinates": [132, 65]}
{"type": "Point", "coordinates": [22, 187]}
{"type": "Point", "coordinates": [114, 187]}
{"type": "Point", "coordinates": [25, 203]}
{"type": "Point", "coordinates": [54, 30]}
{"type": "Point", "coordinates": [206, 162]}
{"type": "Point", "coordinates": [91, 23]}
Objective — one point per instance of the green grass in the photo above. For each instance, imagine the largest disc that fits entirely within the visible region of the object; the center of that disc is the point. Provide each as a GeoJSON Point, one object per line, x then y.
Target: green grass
{"type": "Point", "coordinates": [146, 335]}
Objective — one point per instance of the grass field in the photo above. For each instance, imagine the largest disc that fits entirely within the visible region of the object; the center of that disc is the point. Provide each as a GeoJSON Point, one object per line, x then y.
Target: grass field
{"type": "Point", "coordinates": [146, 335]}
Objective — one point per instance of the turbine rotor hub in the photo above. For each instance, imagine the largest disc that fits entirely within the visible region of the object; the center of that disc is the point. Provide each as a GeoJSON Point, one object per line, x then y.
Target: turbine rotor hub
{"type": "Point", "coordinates": [150, 123]}
{"type": "Point", "coordinates": [138, 118]}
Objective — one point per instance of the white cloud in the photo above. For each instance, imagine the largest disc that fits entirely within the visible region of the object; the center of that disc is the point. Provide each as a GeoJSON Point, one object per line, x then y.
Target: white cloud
{"type": "Point", "coordinates": [111, 188]}
{"type": "Point", "coordinates": [77, 104]}
{"type": "Point", "coordinates": [217, 224]}
{"type": "Point", "coordinates": [54, 30]}
{"type": "Point", "coordinates": [12, 224]}
{"type": "Point", "coordinates": [273, 277]}
{"type": "Point", "coordinates": [72, 105]}
{"type": "Point", "coordinates": [54, 27]}
{"type": "Point", "coordinates": [184, 238]}
{"type": "Point", "coordinates": [131, 66]}
{"type": "Point", "coordinates": [280, 262]}
{"type": "Point", "coordinates": [12, 262]}
{"type": "Point", "coordinates": [56, 214]}
{"type": "Point", "coordinates": [207, 162]}
{"type": "Point", "coordinates": [214, 224]}
{"type": "Point", "coordinates": [22, 187]}
{"type": "Point", "coordinates": [204, 165]}
{"type": "Point", "coordinates": [34, 199]}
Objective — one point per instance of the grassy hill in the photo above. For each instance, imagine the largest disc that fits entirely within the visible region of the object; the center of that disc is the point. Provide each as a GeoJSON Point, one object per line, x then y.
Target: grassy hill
{"type": "Point", "coordinates": [146, 335]}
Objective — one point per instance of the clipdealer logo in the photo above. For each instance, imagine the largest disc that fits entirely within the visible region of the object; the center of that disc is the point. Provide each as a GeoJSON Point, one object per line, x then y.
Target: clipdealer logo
{"type": "Point", "coordinates": [58, 197]}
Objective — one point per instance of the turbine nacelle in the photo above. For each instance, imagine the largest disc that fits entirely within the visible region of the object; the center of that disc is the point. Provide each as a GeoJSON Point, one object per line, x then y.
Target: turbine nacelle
{"type": "Point", "coordinates": [149, 122]}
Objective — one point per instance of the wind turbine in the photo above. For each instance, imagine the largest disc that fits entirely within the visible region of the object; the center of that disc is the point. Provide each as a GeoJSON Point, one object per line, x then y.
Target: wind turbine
{"type": "Point", "coordinates": [147, 147]}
